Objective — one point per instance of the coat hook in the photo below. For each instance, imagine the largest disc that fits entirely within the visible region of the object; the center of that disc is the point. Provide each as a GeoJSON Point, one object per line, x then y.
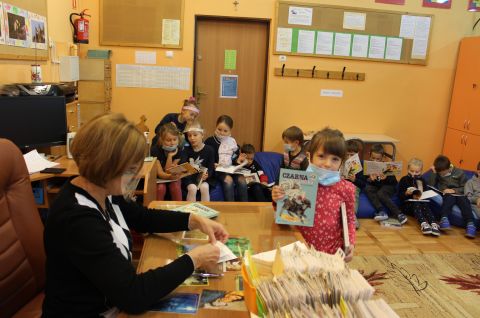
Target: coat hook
{"type": "Point", "coordinates": [357, 76]}
{"type": "Point", "coordinates": [328, 75]}
{"type": "Point", "coordinates": [343, 72]}
{"type": "Point", "coordinates": [298, 72]}
{"type": "Point", "coordinates": [283, 69]}
{"type": "Point", "coordinates": [313, 71]}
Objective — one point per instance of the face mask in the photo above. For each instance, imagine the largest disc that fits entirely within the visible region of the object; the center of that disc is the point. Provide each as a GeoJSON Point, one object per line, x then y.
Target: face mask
{"type": "Point", "coordinates": [288, 147]}
{"type": "Point", "coordinates": [415, 177]}
{"type": "Point", "coordinates": [220, 137]}
{"type": "Point", "coordinates": [129, 185]}
{"type": "Point", "coordinates": [169, 148]}
{"type": "Point", "coordinates": [324, 177]}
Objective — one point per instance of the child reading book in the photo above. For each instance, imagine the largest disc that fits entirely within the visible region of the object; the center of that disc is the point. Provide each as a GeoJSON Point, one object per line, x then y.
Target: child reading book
{"type": "Point", "coordinates": [450, 181]}
{"type": "Point", "coordinates": [327, 151]}
{"type": "Point", "coordinates": [294, 156]}
{"type": "Point", "coordinates": [472, 191]}
{"type": "Point", "coordinates": [188, 114]}
{"type": "Point", "coordinates": [354, 173]}
{"type": "Point", "coordinates": [168, 154]}
{"type": "Point", "coordinates": [202, 157]}
{"type": "Point", "coordinates": [257, 182]}
{"type": "Point", "coordinates": [227, 154]}
{"type": "Point", "coordinates": [380, 188]}
{"type": "Point", "coordinates": [410, 189]}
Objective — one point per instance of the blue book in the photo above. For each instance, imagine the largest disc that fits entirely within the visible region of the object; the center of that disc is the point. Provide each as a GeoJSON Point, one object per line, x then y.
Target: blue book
{"type": "Point", "coordinates": [181, 303]}
{"type": "Point", "coordinates": [298, 205]}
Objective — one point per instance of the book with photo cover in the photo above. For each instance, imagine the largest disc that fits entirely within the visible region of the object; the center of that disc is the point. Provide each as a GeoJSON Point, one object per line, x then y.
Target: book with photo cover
{"type": "Point", "coordinates": [223, 300]}
{"type": "Point", "coordinates": [388, 168]}
{"type": "Point", "coordinates": [181, 303]}
{"type": "Point", "coordinates": [298, 205]}
{"type": "Point", "coordinates": [183, 170]}
{"type": "Point", "coordinates": [199, 209]}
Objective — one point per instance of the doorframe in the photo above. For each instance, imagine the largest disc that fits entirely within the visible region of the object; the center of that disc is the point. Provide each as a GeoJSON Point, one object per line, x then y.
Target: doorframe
{"type": "Point", "coordinates": [199, 17]}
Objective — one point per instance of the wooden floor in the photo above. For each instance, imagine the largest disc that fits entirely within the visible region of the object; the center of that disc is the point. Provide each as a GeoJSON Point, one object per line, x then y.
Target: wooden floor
{"type": "Point", "coordinates": [374, 239]}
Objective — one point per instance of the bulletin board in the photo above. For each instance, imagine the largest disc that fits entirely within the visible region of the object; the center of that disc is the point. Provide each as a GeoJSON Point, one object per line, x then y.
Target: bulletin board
{"type": "Point", "coordinates": [145, 23]}
{"type": "Point", "coordinates": [30, 50]}
{"type": "Point", "coordinates": [352, 33]}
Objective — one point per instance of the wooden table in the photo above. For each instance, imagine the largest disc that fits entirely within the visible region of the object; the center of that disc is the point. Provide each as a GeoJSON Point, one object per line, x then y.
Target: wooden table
{"type": "Point", "coordinates": [248, 219]}
{"type": "Point", "coordinates": [148, 172]}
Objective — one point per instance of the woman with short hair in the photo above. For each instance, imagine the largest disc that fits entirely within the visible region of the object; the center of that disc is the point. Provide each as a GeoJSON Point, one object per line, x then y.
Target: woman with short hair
{"type": "Point", "coordinates": [87, 238]}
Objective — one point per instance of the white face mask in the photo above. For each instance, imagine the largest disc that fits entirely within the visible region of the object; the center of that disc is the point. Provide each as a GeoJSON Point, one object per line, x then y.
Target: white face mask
{"type": "Point", "coordinates": [129, 183]}
{"type": "Point", "coordinates": [221, 137]}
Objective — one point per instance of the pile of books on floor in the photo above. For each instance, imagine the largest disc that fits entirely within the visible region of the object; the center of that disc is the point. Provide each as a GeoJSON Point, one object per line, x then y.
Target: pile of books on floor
{"type": "Point", "coordinates": [297, 281]}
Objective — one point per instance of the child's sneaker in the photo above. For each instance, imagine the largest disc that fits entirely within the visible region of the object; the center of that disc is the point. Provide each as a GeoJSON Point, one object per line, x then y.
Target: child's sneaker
{"type": "Point", "coordinates": [381, 216]}
{"type": "Point", "coordinates": [471, 230]}
{"type": "Point", "coordinates": [435, 229]}
{"type": "Point", "coordinates": [445, 224]}
{"type": "Point", "coordinates": [402, 218]}
{"type": "Point", "coordinates": [425, 228]}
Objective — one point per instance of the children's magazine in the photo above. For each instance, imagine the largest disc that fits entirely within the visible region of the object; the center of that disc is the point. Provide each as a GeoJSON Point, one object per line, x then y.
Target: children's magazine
{"type": "Point", "coordinates": [390, 168]}
{"type": "Point", "coordinates": [352, 166]}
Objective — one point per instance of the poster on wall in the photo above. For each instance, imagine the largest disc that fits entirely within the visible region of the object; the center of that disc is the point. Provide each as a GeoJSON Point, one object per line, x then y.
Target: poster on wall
{"type": "Point", "coordinates": [16, 25]}
{"type": "Point", "coordinates": [228, 86]}
{"type": "Point", "coordinates": [38, 31]}
{"type": "Point", "coordinates": [474, 5]}
{"type": "Point", "coordinates": [400, 2]}
{"type": "Point", "coordinates": [2, 25]}
{"type": "Point", "coordinates": [443, 4]}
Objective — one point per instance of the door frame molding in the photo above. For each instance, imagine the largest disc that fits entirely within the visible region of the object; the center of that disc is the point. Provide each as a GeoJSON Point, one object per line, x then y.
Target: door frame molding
{"type": "Point", "coordinates": [267, 22]}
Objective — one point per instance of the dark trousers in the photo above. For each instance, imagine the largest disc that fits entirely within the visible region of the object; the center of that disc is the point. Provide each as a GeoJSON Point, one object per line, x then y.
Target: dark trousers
{"type": "Point", "coordinates": [257, 193]}
{"type": "Point", "coordinates": [235, 188]}
{"type": "Point", "coordinates": [462, 202]}
{"type": "Point", "coordinates": [381, 196]}
{"type": "Point", "coordinates": [420, 210]}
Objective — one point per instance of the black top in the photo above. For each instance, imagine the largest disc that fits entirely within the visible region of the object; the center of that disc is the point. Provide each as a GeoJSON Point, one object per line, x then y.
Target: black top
{"type": "Point", "coordinates": [157, 151]}
{"type": "Point", "coordinates": [407, 182]}
{"type": "Point", "coordinates": [456, 181]}
{"type": "Point", "coordinates": [87, 268]}
{"type": "Point", "coordinates": [215, 144]}
{"type": "Point", "coordinates": [360, 180]}
{"type": "Point", "coordinates": [205, 158]}
{"type": "Point", "coordinates": [389, 180]}
{"type": "Point", "coordinates": [169, 118]}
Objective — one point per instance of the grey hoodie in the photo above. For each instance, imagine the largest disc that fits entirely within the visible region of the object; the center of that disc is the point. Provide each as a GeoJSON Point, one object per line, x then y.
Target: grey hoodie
{"type": "Point", "coordinates": [456, 181]}
{"type": "Point", "coordinates": [472, 189]}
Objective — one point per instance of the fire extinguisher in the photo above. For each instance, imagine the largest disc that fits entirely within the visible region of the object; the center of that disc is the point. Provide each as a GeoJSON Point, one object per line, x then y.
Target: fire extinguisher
{"type": "Point", "coordinates": [80, 27]}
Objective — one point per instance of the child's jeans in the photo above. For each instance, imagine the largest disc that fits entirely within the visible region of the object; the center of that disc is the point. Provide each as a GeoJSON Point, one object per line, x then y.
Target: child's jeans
{"type": "Point", "coordinates": [175, 190]}
{"type": "Point", "coordinates": [229, 183]}
{"type": "Point", "coordinates": [382, 195]}
{"type": "Point", "coordinates": [449, 201]}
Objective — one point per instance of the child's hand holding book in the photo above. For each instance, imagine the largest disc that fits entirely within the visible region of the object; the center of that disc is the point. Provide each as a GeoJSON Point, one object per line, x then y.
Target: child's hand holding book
{"type": "Point", "coordinates": [278, 193]}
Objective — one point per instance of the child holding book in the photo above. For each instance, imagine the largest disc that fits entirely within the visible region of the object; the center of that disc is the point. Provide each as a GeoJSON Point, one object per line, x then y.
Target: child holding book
{"type": "Point", "coordinates": [472, 191]}
{"type": "Point", "coordinates": [451, 182]}
{"type": "Point", "coordinates": [188, 114]}
{"type": "Point", "coordinates": [257, 191]}
{"type": "Point", "coordinates": [411, 188]}
{"type": "Point", "coordinates": [168, 154]}
{"type": "Point", "coordinates": [327, 151]}
{"type": "Point", "coordinates": [227, 154]}
{"type": "Point", "coordinates": [358, 179]}
{"type": "Point", "coordinates": [380, 188]}
{"type": "Point", "coordinates": [201, 156]}
{"type": "Point", "coordinates": [294, 156]}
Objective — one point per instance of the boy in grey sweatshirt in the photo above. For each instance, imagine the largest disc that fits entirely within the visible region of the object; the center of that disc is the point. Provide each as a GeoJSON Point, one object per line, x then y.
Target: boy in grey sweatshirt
{"type": "Point", "coordinates": [472, 191]}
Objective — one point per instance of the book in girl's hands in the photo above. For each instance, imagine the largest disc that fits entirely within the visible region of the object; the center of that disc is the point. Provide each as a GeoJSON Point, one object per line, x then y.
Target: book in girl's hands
{"type": "Point", "coordinates": [352, 166]}
{"type": "Point", "coordinates": [183, 170]}
{"type": "Point", "coordinates": [199, 209]}
{"type": "Point", "coordinates": [298, 205]}
{"type": "Point", "coordinates": [389, 168]}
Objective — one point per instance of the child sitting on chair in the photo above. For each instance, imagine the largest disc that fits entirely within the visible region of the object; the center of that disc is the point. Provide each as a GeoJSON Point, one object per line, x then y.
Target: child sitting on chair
{"type": "Point", "coordinates": [258, 191]}
{"type": "Point", "coordinates": [472, 191]}
{"type": "Point", "coordinates": [294, 156]}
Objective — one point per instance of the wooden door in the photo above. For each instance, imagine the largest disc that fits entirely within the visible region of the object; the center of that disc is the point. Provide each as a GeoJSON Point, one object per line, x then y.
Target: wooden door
{"type": "Point", "coordinates": [247, 40]}
{"type": "Point", "coordinates": [454, 146]}
{"type": "Point", "coordinates": [471, 155]}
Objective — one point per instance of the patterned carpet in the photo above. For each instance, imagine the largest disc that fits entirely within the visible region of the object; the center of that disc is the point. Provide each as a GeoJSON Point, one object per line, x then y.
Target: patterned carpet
{"type": "Point", "coordinates": [417, 286]}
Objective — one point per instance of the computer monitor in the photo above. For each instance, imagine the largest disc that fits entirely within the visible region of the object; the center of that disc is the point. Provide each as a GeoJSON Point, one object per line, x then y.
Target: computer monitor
{"type": "Point", "coordinates": [33, 121]}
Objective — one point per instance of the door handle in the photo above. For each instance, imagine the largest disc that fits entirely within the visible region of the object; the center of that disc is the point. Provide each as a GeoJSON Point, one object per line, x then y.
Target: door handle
{"type": "Point", "coordinates": [461, 139]}
{"type": "Point", "coordinates": [468, 125]}
{"type": "Point", "coordinates": [199, 92]}
{"type": "Point", "coordinates": [465, 124]}
{"type": "Point", "coordinates": [466, 139]}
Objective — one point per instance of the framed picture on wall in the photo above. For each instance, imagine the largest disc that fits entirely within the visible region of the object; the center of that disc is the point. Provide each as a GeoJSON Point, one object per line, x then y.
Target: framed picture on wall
{"type": "Point", "coordinates": [443, 4]}
{"type": "Point", "coordinates": [16, 28]}
{"type": "Point", "coordinates": [2, 25]}
{"type": "Point", "coordinates": [38, 31]}
{"type": "Point", "coordinates": [474, 5]}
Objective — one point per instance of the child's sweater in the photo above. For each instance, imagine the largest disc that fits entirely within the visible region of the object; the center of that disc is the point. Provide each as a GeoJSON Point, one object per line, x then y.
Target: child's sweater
{"type": "Point", "coordinates": [226, 151]}
{"type": "Point", "coordinates": [203, 158]}
{"type": "Point", "coordinates": [297, 162]}
{"type": "Point", "coordinates": [472, 189]}
{"type": "Point", "coordinates": [456, 181]}
{"type": "Point", "coordinates": [407, 182]}
{"type": "Point", "coordinates": [326, 233]}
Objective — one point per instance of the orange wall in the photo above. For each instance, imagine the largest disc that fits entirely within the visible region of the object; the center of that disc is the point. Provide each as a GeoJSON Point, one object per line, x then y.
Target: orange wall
{"type": "Point", "coordinates": [409, 103]}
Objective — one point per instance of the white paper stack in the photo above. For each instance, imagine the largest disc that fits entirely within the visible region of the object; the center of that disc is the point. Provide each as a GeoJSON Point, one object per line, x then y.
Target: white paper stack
{"type": "Point", "coordinates": [36, 163]}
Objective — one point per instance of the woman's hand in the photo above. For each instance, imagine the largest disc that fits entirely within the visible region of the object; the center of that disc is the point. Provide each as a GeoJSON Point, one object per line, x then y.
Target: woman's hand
{"type": "Point", "coordinates": [349, 253]}
{"type": "Point", "coordinates": [277, 193]}
{"type": "Point", "coordinates": [205, 256]}
{"type": "Point", "coordinates": [214, 230]}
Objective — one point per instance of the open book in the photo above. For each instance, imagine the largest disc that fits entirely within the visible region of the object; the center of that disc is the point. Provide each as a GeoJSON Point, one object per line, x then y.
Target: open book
{"type": "Point", "coordinates": [233, 169]}
{"type": "Point", "coordinates": [352, 166]}
{"type": "Point", "coordinates": [424, 196]}
{"type": "Point", "coordinates": [390, 168]}
{"type": "Point", "coordinates": [441, 192]}
{"type": "Point", "coordinates": [183, 170]}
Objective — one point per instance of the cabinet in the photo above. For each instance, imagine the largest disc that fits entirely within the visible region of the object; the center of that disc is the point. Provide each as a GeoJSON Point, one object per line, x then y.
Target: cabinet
{"type": "Point", "coordinates": [462, 139]}
{"type": "Point", "coordinates": [94, 88]}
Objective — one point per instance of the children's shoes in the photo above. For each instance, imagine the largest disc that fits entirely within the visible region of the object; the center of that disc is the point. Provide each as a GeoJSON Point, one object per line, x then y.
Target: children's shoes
{"type": "Point", "coordinates": [381, 216]}
{"type": "Point", "coordinates": [425, 228]}
{"type": "Point", "coordinates": [471, 230]}
{"type": "Point", "coordinates": [402, 218]}
{"type": "Point", "coordinates": [445, 224]}
{"type": "Point", "coordinates": [435, 229]}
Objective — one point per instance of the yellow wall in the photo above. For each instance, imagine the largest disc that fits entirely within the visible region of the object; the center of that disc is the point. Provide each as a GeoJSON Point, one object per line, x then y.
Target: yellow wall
{"type": "Point", "coordinates": [409, 103]}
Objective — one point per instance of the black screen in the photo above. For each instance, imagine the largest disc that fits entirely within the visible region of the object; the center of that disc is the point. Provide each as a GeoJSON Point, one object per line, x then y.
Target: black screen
{"type": "Point", "coordinates": [33, 121]}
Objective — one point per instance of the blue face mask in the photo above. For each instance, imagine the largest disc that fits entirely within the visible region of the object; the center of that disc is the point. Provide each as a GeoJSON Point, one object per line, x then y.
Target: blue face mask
{"type": "Point", "coordinates": [287, 147]}
{"type": "Point", "coordinates": [169, 148]}
{"type": "Point", "coordinates": [324, 177]}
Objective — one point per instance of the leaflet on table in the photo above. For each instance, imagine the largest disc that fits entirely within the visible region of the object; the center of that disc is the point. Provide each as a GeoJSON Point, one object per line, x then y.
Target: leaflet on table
{"type": "Point", "coordinates": [298, 205]}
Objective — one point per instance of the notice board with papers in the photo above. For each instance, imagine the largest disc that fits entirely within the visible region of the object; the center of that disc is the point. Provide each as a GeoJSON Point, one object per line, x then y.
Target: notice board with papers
{"type": "Point", "coordinates": [310, 29]}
